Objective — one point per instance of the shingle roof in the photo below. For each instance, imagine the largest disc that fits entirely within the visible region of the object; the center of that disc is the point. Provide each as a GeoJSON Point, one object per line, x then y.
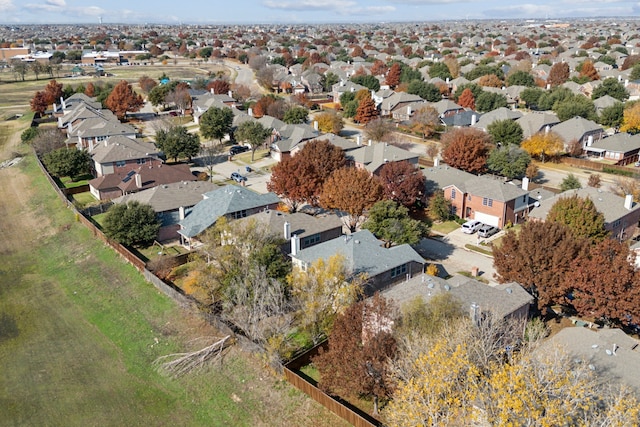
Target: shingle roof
{"type": "Point", "coordinates": [444, 176]}
{"type": "Point", "coordinates": [301, 224]}
{"type": "Point", "coordinates": [620, 142]}
{"type": "Point", "coordinates": [376, 155]}
{"type": "Point", "coordinates": [120, 147]}
{"type": "Point", "coordinates": [575, 128]}
{"type": "Point", "coordinates": [534, 122]}
{"type": "Point", "coordinates": [220, 202]}
{"type": "Point", "coordinates": [98, 126]}
{"type": "Point", "coordinates": [168, 197]}
{"type": "Point", "coordinates": [501, 113]}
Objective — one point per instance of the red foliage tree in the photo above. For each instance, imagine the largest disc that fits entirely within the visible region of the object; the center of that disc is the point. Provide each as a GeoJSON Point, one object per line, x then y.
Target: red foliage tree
{"type": "Point", "coordinates": [40, 102]}
{"type": "Point", "coordinates": [147, 84]}
{"type": "Point", "coordinates": [558, 74]}
{"type": "Point", "coordinates": [262, 105]}
{"type": "Point", "coordinates": [53, 91]}
{"type": "Point", "coordinates": [402, 182]}
{"type": "Point", "coordinates": [122, 99]}
{"type": "Point", "coordinates": [393, 76]}
{"type": "Point", "coordinates": [466, 149]}
{"type": "Point", "coordinates": [605, 284]}
{"type": "Point", "coordinates": [379, 68]}
{"type": "Point", "coordinates": [366, 110]}
{"type": "Point", "coordinates": [589, 71]}
{"type": "Point", "coordinates": [219, 86]}
{"type": "Point", "coordinates": [466, 99]}
{"type": "Point", "coordinates": [90, 90]}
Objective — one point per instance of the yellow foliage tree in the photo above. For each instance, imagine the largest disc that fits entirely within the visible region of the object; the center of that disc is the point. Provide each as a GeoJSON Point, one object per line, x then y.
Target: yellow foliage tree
{"type": "Point", "coordinates": [329, 122]}
{"type": "Point", "coordinates": [543, 145]}
{"type": "Point", "coordinates": [631, 119]}
{"type": "Point", "coordinates": [323, 291]}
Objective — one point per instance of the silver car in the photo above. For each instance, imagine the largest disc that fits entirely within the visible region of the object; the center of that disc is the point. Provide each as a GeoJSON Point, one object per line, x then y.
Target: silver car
{"type": "Point", "coordinates": [487, 230]}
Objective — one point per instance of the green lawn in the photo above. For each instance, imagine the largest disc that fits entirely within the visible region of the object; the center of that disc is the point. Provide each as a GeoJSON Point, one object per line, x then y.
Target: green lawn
{"type": "Point", "coordinates": [445, 227]}
{"type": "Point", "coordinates": [246, 156]}
{"type": "Point", "coordinates": [84, 199]}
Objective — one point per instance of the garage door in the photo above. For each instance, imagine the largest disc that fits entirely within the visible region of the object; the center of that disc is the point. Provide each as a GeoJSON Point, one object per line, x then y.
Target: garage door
{"type": "Point", "coordinates": [487, 219]}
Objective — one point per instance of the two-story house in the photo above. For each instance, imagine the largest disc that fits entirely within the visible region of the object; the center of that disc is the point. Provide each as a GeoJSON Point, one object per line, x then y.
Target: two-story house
{"type": "Point", "coordinates": [121, 154]}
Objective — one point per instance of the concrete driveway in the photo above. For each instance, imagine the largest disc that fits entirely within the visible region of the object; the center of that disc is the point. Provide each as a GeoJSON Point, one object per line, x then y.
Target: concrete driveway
{"type": "Point", "coordinates": [256, 179]}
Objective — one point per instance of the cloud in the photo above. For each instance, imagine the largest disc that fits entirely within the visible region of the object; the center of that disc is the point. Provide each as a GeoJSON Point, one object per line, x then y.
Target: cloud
{"type": "Point", "coordinates": [6, 5]}
{"type": "Point", "coordinates": [431, 2]}
{"type": "Point", "coordinates": [369, 10]}
{"type": "Point", "coordinates": [59, 3]}
{"type": "Point", "coordinates": [555, 11]}
{"type": "Point", "coordinates": [308, 5]}
{"type": "Point", "coordinates": [520, 11]}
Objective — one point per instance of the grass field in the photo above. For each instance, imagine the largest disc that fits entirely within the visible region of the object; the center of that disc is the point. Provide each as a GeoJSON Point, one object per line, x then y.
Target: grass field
{"type": "Point", "coordinates": [80, 328]}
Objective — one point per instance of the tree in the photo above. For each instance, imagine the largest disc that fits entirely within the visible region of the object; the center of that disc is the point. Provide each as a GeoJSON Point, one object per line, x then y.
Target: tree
{"type": "Point", "coordinates": [327, 80]}
{"type": "Point", "coordinates": [506, 132]}
{"type": "Point", "coordinates": [595, 180]}
{"type": "Point", "coordinates": [631, 119]}
{"type": "Point", "coordinates": [178, 142]}
{"type": "Point", "coordinates": [589, 71]}
{"type": "Point", "coordinates": [353, 191]}
{"type": "Point", "coordinates": [538, 258]}
{"type": "Point", "coordinates": [426, 121]}
{"type": "Point", "coordinates": [329, 122]}
{"type": "Point", "coordinates": [391, 223]}
{"type": "Point", "coordinates": [521, 78]}
{"type": "Point", "coordinates": [475, 89]}
{"type": "Point", "coordinates": [179, 97]}
{"type": "Point", "coordinates": [67, 162]}
{"type": "Point", "coordinates": [40, 102]}
{"type": "Point", "coordinates": [216, 123]}
{"type": "Point", "coordinates": [570, 182]}
{"type": "Point", "coordinates": [360, 347]}
{"type": "Point", "coordinates": [605, 283]}
{"type": "Point", "coordinates": [439, 207]}
{"type": "Point", "coordinates": [378, 129]}
{"type": "Point", "coordinates": [466, 149]}
{"type": "Point", "coordinates": [611, 87]}
{"type": "Point", "coordinates": [489, 101]}
{"type": "Point", "coordinates": [366, 110]}
{"type": "Point", "coordinates": [29, 134]}
{"type": "Point", "coordinates": [132, 223]}
{"type": "Point", "coordinates": [543, 144]}
{"type": "Point", "coordinates": [531, 95]}
{"type": "Point", "coordinates": [441, 70]}
{"type": "Point", "coordinates": [509, 161]}
{"type": "Point", "coordinates": [254, 133]}
{"type": "Point", "coordinates": [467, 100]}
{"type": "Point", "coordinates": [90, 90]}
{"type": "Point", "coordinates": [490, 80]}
{"type": "Point", "coordinates": [393, 75]}
{"type": "Point", "coordinates": [580, 216]}
{"type": "Point", "coordinates": [158, 94]}
{"type": "Point", "coordinates": [289, 183]}
{"type": "Point", "coordinates": [48, 140]}
{"type": "Point", "coordinates": [147, 84]}
{"type": "Point", "coordinates": [219, 87]}
{"type": "Point", "coordinates": [427, 91]}
{"type": "Point", "coordinates": [123, 99]}
{"type": "Point", "coordinates": [20, 68]}
{"type": "Point", "coordinates": [296, 115]}
{"type": "Point", "coordinates": [322, 292]}
{"type": "Point", "coordinates": [53, 91]}
{"type": "Point", "coordinates": [532, 171]}
{"type": "Point", "coordinates": [402, 182]}
{"type": "Point", "coordinates": [576, 105]}
{"type": "Point", "coordinates": [558, 74]}
{"type": "Point", "coordinates": [367, 80]}
{"type": "Point", "coordinates": [612, 115]}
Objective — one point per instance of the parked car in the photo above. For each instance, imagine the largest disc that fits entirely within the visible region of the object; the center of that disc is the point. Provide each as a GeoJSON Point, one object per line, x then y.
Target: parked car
{"type": "Point", "coordinates": [487, 230]}
{"type": "Point", "coordinates": [471, 226]}
{"type": "Point", "coordinates": [237, 149]}
{"type": "Point", "coordinates": [237, 177]}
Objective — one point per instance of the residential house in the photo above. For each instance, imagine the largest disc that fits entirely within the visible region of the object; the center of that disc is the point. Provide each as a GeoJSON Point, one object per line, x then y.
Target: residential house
{"type": "Point", "coordinates": [122, 154]}
{"type": "Point", "coordinates": [446, 107]}
{"type": "Point", "coordinates": [342, 87]}
{"type": "Point", "coordinates": [621, 214]}
{"type": "Point", "coordinates": [309, 230]}
{"type": "Point", "coordinates": [201, 103]}
{"type": "Point", "coordinates": [398, 100]}
{"type": "Point", "coordinates": [289, 139]}
{"type": "Point", "coordinates": [111, 186]}
{"type": "Point", "coordinates": [364, 254]}
{"type": "Point", "coordinates": [502, 113]}
{"type": "Point", "coordinates": [68, 121]}
{"type": "Point", "coordinates": [462, 119]}
{"type": "Point", "coordinates": [621, 147]}
{"type": "Point", "coordinates": [507, 300]}
{"type": "Point", "coordinates": [74, 102]}
{"type": "Point", "coordinates": [535, 122]}
{"type": "Point", "coordinates": [373, 157]}
{"type": "Point", "coordinates": [91, 131]}
{"type": "Point", "coordinates": [231, 201]}
{"type": "Point", "coordinates": [605, 101]}
{"type": "Point", "coordinates": [579, 129]}
{"type": "Point", "coordinates": [170, 202]}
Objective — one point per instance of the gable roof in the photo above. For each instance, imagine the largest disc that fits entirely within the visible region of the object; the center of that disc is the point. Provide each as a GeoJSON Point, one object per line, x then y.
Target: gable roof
{"type": "Point", "coordinates": [375, 156]}
{"type": "Point", "coordinates": [98, 126]}
{"type": "Point", "coordinates": [168, 197]}
{"type": "Point", "coordinates": [301, 224]}
{"type": "Point", "coordinates": [502, 113]}
{"type": "Point", "coordinates": [150, 176]}
{"type": "Point", "coordinates": [445, 176]}
{"type": "Point", "coordinates": [620, 142]}
{"type": "Point", "coordinates": [220, 202]}
{"type": "Point", "coordinates": [491, 188]}
{"type": "Point", "coordinates": [576, 128]}
{"type": "Point", "coordinates": [534, 122]}
{"type": "Point", "coordinates": [120, 147]}
{"type": "Point", "coordinates": [363, 253]}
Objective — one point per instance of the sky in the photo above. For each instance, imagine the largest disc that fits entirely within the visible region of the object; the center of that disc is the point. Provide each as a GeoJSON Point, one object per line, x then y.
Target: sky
{"type": "Point", "coordinates": [300, 11]}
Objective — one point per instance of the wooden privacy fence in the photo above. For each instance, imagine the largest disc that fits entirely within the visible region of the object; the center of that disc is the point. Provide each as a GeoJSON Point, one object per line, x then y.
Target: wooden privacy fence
{"type": "Point", "coordinates": [339, 407]}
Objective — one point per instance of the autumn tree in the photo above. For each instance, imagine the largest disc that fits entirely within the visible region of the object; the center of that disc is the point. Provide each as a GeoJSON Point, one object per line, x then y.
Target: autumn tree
{"type": "Point", "coordinates": [53, 91]}
{"type": "Point", "coordinates": [558, 74]}
{"type": "Point", "coordinates": [589, 71]}
{"type": "Point", "coordinates": [604, 283]}
{"type": "Point", "coordinates": [147, 84]}
{"type": "Point", "coordinates": [391, 223]}
{"type": "Point", "coordinates": [505, 131]}
{"type": "Point", "coordinates": [402, 182]}
{"type": "Point", "coordinates": [393, 75]}
{"type": "Point", "coordinates": [366, 110]}
{"type": "Point", "coordinates": [538, 258]}
{"type": "Point", "coordinates": [300, 179]}
{"type": "Point", "coordinates": [490, 80]}
{"type": "Point", "coordinates": [321, 292]}
{"type": "Point", "coordinates": [467, 100]}
{"type": "Point", "coordinates": [631, 119]}
{"type": "Point", "coordinates": [216, 123]}
{"type": "Point", "coordinates": [40, 102]}
{"type": "Point", "coordinates": [219, 87]}
{"type": "Point", "coordinates": [132, 223]}
{"type": "Point", "coordinates": [466, 149]}
{"type": "Point", "coordinates": [580, 216]}
{"type": "Point", "coordinates": [178, 142]}
{"type": "Point", "coordinates": [509, 161]}
{"type": "Point", "coordinates": [329, 122]}
{"type": "Point", "coordinates": [90, 90]}
{"type": "Point", "coordinates": [595, 180]}
{"type": "Point", "coordinates": [543, 145]}
{"type": "Point", "coordinates": [361, 345]}
{"type": "Point", "coordinates": [123, 99]}
{"type": "Point", "coordinates": [253, 133]}
{"type": "Point", "coordinates": [353, 191]}
{"type": "Point", "coordinates": [425, 121]}
{"type": "Point", "coordinates": [378, 129]}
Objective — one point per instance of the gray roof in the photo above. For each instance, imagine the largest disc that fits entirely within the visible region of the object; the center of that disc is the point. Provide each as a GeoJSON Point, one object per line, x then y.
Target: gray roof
{"type": "Point", "coordinates": [575, 128]}
{"type": "Point", "coordinates": [120, 147]}
{"type": "Point", "coordinates": [363, 253]}
{"type": "Point", "coordinates": [98, 126]}
{"type": "Point", "coordinates": [534, 122]}
{"type": "Point", "coordinates": [301, 224]}
{"type": "Point", "coordinates": [491, 188]}
{"type": "Point", "coordinates": [502, 299]}
{"type": "Point", "coordinates": [444, 176]}
{"type": "Point", "coordinates": [620, 142]}
{"type": "Point", "coordinates": [605, 101]}
{"type": "Point", "coordinates": [609, 204]}
{"type": "Point", "coordinates": [169, 197]}
{"type": "Point", "coordinates": [376, 155]}
{"type": "Point", "coordinates": [220, 202]}
{"type": "Point", "coordinates": [338, 141]}
{"type": "Point", "coordinates": [502, 113]}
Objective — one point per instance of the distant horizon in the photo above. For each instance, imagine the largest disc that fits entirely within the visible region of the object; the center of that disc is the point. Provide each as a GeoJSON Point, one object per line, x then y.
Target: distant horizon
{"type": "Point", "coordinates": [306, 12]}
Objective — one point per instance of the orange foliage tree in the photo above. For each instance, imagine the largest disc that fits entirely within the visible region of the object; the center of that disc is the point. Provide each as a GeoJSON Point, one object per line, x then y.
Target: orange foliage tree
{"type": "Point", "coordinates": [466, 149]}
{"type": "Point", "coordinates": [467, 99]}
{"type": "Point", "coordinates": [123, 99]}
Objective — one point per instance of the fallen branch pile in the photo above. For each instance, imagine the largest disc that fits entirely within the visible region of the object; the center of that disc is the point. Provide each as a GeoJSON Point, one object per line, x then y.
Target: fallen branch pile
{"type": "Point", "coordinates": [178, 364]}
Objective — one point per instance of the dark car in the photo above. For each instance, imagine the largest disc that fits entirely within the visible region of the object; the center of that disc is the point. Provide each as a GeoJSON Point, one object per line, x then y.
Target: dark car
{"type": "Point", "coordinates": [237, 149]}
{"type": "Point", "coordinates": [237, 177]}
{"type": "Point", "coordinates": [487, 230]}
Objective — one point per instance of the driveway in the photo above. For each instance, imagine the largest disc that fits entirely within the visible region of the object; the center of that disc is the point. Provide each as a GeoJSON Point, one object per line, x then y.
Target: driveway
{"type": "Point", "coordinates": [256, 179]}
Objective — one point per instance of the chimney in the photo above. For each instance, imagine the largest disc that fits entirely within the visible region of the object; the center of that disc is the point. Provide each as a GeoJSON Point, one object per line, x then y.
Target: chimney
{"type": "Point", "coordinates": [63, 103]}
{"type": "Point", "coordinates": [628, 201]}
{"type": "Point", "coordinates": [315, 125]}
{"type": "Point", "coordinates": [181, 212]}
{"type": "Point", "coordinates": [369, 142]}
{"type": "Point", "coordinates": [474, 118]}
{"type": "Point", "coordinates": [138, 181]}
{"type": "Point", "coordinates": [547, 128]}
{"type": "Point", "coordinates": [55, 107]}
{"type": "Point", "coordinates": [525, 183]}
{"type": "Point", "coordinates": [436, 162]}
{"type": "Point", "coordinates": [474, 313]}
{"type": "Point", "coordinates": [548, 86]}
{"type": "Point", "coordinates": [250, 111]}
{"type": "Point", "coordinates": [589, 140]}
{"type": "Point", "coordinates": [359, 139]}
{"type": "Point", "coordinates": [626, 82]}
{"type": "Point", "coordinates": [619, 78]}
{"type": "Point", "coordinates": [213, 92]}
{"type": "Point", "coordinates": [408, 110]}
{"type": "Point", "coordinates": [287, 231]}
{"type": "Point", "coordinates": [295, 245]}
{"type": "Point", "coordinates": [230, 94]}
{"type": "Point", "coordinates": [447, 80]}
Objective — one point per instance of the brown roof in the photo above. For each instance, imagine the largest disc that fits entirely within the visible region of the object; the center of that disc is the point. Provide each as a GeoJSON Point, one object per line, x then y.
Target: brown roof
{"type": "Point", "coordinates": [151, 176]}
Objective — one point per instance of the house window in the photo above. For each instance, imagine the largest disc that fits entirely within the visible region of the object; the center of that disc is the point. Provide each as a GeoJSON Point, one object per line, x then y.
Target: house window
{"type": "Point", "coordinates": [469, 197]}
{"type": "Point", "coordinates": [141, 161]}
{"type": "Point", "coordinates": [487, 202]}
{"type": "Point", "coordinates": [399, 270]}
{"type": "Point", "coordinates": [453, 193]}
{"type": "Point", "coordinates": [617, 223]}
{"type": "Point", "coordinates": [311, 240]}
{"type": "Point", "coordinates": [240, 214]}
{"type": "Point", "coordinates": [100, 138]}
{"type": "Point", "coordinates": [120, 163]}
